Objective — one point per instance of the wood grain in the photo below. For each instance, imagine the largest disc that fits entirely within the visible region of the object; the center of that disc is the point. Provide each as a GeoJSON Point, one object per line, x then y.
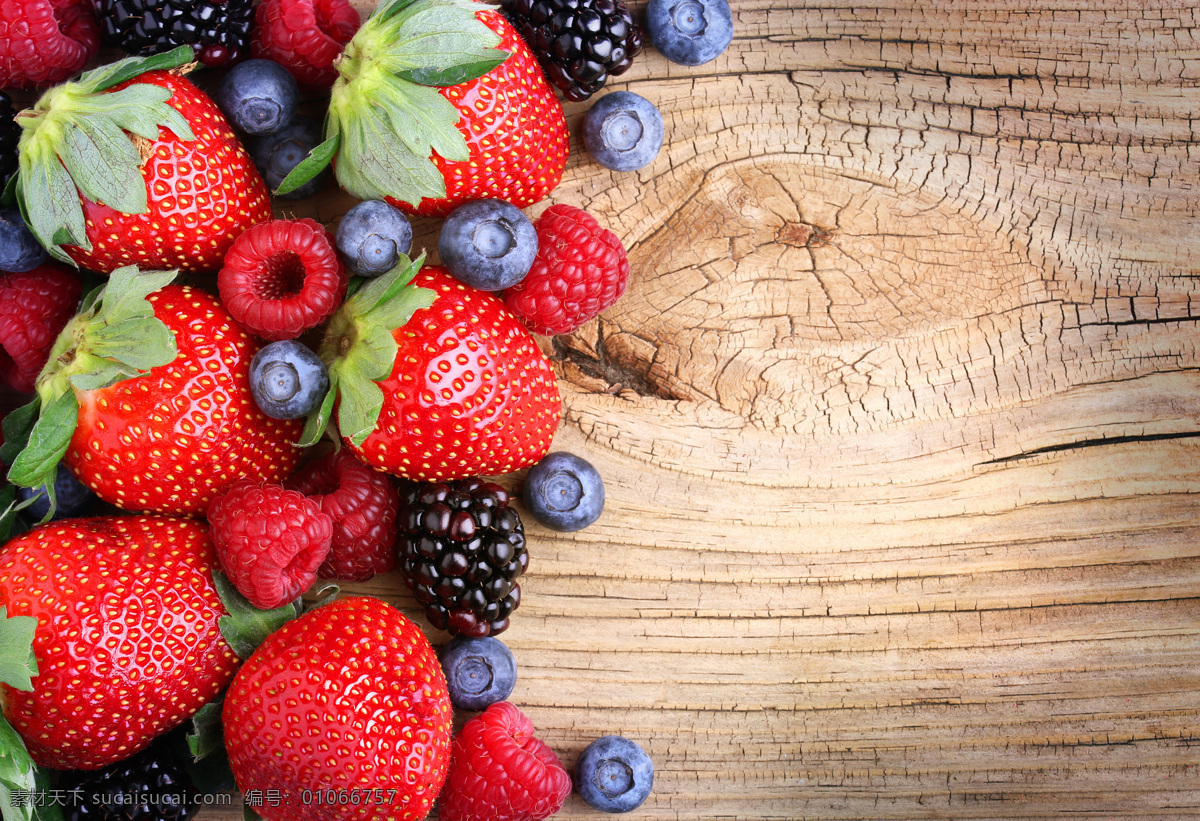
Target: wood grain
{"type": "Point", "coordinates": [899, 421]}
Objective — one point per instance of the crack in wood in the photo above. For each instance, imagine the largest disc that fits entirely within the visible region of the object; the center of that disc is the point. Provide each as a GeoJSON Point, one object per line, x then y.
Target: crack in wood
{"type": "Point", "coordinates": [1091, 443]}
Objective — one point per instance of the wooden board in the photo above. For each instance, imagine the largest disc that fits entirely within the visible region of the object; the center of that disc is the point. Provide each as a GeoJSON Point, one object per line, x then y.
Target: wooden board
{"type": "Point", "coordinates": [898, 420]}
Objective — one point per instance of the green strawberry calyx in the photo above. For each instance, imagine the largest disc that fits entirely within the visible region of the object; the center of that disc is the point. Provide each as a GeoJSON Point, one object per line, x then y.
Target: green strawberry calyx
{"type": "Point", "coordinates": [81, 138]}
{"type": "Point", "coordinates": [359, 351]}
{"type": "Point", "coordinates": [386, 118]}
{"type": "Point", "coordinates": [114, 337]}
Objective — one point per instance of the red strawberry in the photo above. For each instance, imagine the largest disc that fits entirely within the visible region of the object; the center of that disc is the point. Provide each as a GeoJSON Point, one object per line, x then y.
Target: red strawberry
{"type": "Point", "coordinates": [490, 124]}
{"type": "Point", "coordinates": [127, 644]}
{"type": "Point", "coordinates": [34, 306]}
{"type": "Point", "coordinates": [44, 41]}
{"type": "Point", "coordinates": [500, 772]}
{"type": "Point", "coordinates": [348, 698]}
{"type": "Point", "coordinates": [164, 184]}
{"type": "Point", "coordinates": [463, 389]}
{"type": "Point", "coordinates": [180, 426]}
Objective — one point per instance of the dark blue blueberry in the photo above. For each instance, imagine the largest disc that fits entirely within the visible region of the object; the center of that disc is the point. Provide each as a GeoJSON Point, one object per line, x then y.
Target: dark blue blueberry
{"type": "Point", "coordinates": [71, 497]}
{"type": "Point", "coordinates": [614, 774]}
{"type": "Point", "coordinates": [275, 155]}
{"type": "Point", "coordinates": [689, 32]}
{"type": "Point", "coordinates": [488, 244]}
{"type": "Point", "coordinates": [19, 251]}
{"type": "Point", "coordinates": [479, 672]}
{"type": "Point", "coordinates": [564, 492]}
{"type": "Point", "coordinates": [287, 380]}
{"type": "Point", "coordinates": [623, 131]}
{"type": "Point", "coordinates": [259, 97]}
{"type": "Point", "coordinates": [372, 236]}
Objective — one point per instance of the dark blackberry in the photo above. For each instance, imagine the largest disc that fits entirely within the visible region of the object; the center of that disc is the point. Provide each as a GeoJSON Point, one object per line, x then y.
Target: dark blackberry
{"type": "Point", "coordinates": [580, 43]}
{"type": "Point", "coordinates": [218, 32]}
{"type": "Point", "coordinates": [149, 786]}
{"type": "Point", "coordinates": [10, 133]}
{"type": "Point", "coordinates": [461, 550]}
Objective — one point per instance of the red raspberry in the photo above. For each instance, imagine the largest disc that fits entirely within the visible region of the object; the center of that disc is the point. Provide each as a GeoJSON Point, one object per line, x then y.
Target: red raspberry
{"type": "Point", "coordinates": [282, 277]}
{"type": "Point", "coordinates": [43, 42]}
{"type": "Point", "coordinates": [362, 504]}
{"type": "Point", "coordinates": [305, 36]}
{"type": "Point", "coordinates": [270, 540]}
{"type": "Point", "coordinates": [34, 306]}
{"type": "Point", "coordinates": [500, 772]}
{"type": "Point", "coordinates": [580, 270]}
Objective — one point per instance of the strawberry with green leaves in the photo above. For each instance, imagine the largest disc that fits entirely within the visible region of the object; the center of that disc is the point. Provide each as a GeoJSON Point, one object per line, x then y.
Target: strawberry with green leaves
{"type": "Point", "coordinates": [435, 380]}
{"type": "Point", "coordinates": [146, 398]}
{"type": "Point", "coordinates": [131, 164]}
{"type": "Point", "coordinates": [114, 630]}
{"type": "Point", "coordinates": [439, 102]}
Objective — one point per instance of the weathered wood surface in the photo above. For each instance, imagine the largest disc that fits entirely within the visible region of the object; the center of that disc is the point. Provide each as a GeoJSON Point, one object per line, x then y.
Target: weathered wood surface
{"type": "Point", "coordinates": [899, 423]}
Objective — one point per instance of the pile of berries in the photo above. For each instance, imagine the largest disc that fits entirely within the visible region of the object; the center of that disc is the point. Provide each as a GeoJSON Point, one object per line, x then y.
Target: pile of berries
{"type": "Point", "coordinates": [324, 409]}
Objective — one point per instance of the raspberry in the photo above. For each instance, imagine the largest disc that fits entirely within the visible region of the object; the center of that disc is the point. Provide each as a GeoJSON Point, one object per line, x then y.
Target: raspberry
{"type": "Point", "coordinates": [362, 504]}
{"type": "Point", "coordinates": [282, 277]}
{"type": "Point", "coordinates": [305, 36]}
{"type": "Point", "coordinates": [43, 42]}
{"type": "Point", "coordinates": [580, 270]}
{"type": "Point", "coordinates": [500, 772]}
{"type": "Point", "coordinates": [270, 540]}
{"type": "Point", "coordinates": [34, 306]}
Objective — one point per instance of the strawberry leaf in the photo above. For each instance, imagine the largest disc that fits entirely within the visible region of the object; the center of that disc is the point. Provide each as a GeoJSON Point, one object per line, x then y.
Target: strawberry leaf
{"type": "Point", "coordinates": [361, 402]}
{"type": "Point", "coordinates": [17, 426]}
{"type": "Point", "coordinates": [454, 75]}
{"type": "Point", "coordinates": [312, 165]}
{"type": "Point", "coordinates": [206, 735]}
{"type": "Point", "coordinates": [246, 626]}
{"type": "Point", "coordinates": [48, 442]}
{"type": "Point", "coordinates": [18, 664]}
{"type": "Point", "coordinates": [50, 203]}
{"type": "Point", "coordinates": [318, 420]}
{"type": "Point", "coordinates": [104, 164]}
{"type": "Point", "coordinates": [105, 77]}
{"type": "Point", "coordinates": [18, 776]}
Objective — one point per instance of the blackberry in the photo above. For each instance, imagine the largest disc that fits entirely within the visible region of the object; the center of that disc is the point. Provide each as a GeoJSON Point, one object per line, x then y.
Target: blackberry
{"type": "Point", "coordinates": [580, 43]}
{"type": "Point", "coordinates": [10, 133]}
{"type": "Point", "coordinates": [218, 32]}
{"type": "Point", "coordinates": [149, 786]}
{"type": "Point", "coordinates": [461, 550]}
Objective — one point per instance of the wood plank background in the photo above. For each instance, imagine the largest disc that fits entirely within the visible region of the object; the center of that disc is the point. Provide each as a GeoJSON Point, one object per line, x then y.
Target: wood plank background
{"type": "Point", "coordinates": [899, 421]}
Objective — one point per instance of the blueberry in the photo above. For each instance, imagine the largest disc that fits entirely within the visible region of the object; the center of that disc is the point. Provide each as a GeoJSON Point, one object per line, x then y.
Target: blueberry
{"type": "Point", "coordinates": [689, 32]}
{"type": "Point", "coordinates": [287, 380]}
{"type": "Point", "coordinates": [372, 236]}
{"type": "Point", "coordinates": [19, 251]}
{"type": "Point", "coordinates": [479, 672]}
{"type": "Point", "coordinates": [623, 131]}
{"type": "Point", "coordinates": [258, 96]}
{"type": "Point", "coordinates": [614, 774]}
{"type": "Point", "coordinates": [488, 244]}
{"type": "Point", "coordinates": [71, 497]}
{"type": "Point", "coordinates": [275, 155]}
{"type": "Point", "coordinates": [564, 492]}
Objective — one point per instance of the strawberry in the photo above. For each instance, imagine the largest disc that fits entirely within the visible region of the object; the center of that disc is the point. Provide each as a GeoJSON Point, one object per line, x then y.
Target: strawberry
{"type": "Point", "coordinates": [124, 621]}
{"type": "Point", "coordinates": [341, 713]}
{"type": "Point", "coordinates": [436, 380]}
{"type": "Point", "coordinates": [132, 164]}
{"type": "Point", "coordinates": [147, 393]}
{"type": "Point", "coordinates": [439, 102]}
